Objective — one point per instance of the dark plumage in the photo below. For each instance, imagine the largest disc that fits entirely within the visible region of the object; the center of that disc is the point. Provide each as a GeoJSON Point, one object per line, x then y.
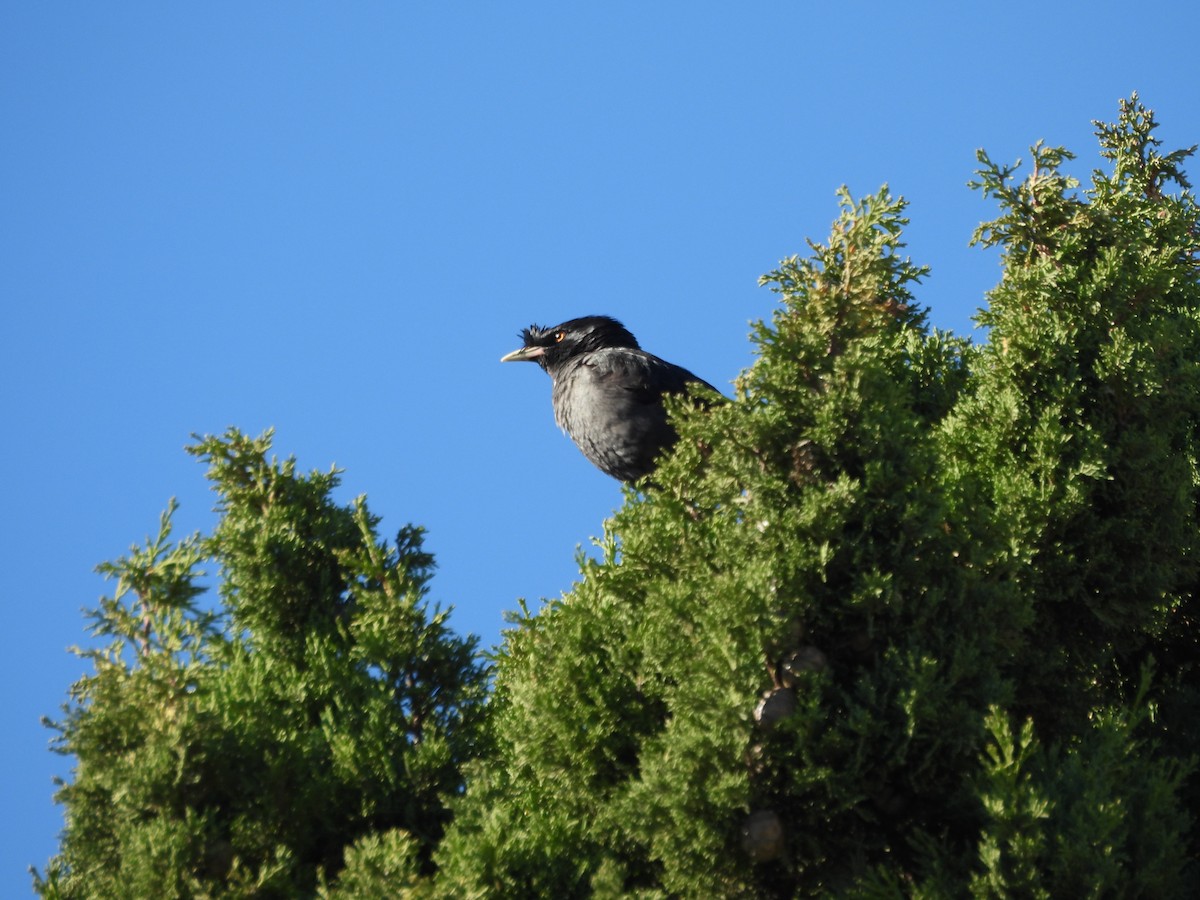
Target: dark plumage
{"type": "Point", "coordinates": [607, 391]}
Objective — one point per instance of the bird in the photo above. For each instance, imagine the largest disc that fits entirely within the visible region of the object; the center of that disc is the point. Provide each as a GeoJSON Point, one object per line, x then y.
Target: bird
{"type": "Point", "coordinates": [607, 392]}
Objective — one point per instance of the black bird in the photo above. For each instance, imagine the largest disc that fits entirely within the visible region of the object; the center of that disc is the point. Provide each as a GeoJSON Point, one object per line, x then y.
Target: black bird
{"type": "Point", "coordinates": [608, 392]}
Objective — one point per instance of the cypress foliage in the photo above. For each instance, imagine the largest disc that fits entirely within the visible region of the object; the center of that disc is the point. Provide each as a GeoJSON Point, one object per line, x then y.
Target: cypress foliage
{"type": "Point", "coordinates": [906, 617]}
{"type": "Point", "coordinates": [779, 657]}
{"type": "Point", "coordinates": [240, 751]}
{"type": "Point", "coordinates": [1081, 432]}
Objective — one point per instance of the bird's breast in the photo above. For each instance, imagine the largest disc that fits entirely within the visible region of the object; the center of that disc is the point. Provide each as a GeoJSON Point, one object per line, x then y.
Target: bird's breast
{"type": "Point", "coordinates": [611, 416]}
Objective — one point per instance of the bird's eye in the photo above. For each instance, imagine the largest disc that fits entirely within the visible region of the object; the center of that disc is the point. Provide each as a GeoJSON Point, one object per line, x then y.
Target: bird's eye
{"type": "Point", "coordinates": [558, 336]}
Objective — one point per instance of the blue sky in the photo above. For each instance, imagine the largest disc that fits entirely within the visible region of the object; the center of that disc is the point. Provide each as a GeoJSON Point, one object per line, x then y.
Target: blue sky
{"type": "Point", "coordinates": [333, 219]}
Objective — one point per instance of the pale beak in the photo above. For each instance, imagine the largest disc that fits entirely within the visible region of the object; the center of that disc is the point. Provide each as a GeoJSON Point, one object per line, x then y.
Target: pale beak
{"type": "Point", "coordinates": [525, 353]}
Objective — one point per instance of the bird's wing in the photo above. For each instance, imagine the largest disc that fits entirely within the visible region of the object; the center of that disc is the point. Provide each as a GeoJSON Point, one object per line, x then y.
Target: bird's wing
{"type": "Point", "coordinates": [610, 403]}
{"type": "Point", "coordinates": [642, 374]}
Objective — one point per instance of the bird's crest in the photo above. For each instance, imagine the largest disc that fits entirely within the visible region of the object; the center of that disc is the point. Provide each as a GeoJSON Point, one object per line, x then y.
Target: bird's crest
{"type": "Point", "coordinates": [589, 332]}
{"type": "Point", "coordinates": [532, 334]}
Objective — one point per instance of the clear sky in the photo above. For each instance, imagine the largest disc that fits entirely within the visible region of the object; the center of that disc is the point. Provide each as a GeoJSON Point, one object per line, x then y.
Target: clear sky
{"type": "Point", "coordinates": [334, 218]}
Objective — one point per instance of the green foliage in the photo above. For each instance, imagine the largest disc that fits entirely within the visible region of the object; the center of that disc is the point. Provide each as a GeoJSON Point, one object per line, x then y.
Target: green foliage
{"type": "Point", "coordinates": [386, 864]}
{"type": "Point", "coordinates": [244, 751]}
{"type": "Point", "coordinates": [885, 624]}
{"type": "Point", "coordinates": [1083, 423]}
{"type": "Point", "coordinates": [909, 617]}
{"type": "Point", "coordinates": [1093, 817]}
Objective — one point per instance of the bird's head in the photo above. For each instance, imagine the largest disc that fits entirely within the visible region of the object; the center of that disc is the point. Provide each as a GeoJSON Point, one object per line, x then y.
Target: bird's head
{"type": "Point", "coordinates": [551, 347]}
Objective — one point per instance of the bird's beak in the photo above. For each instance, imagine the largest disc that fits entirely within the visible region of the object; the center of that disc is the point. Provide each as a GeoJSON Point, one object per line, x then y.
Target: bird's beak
{"type": "Point", "coordinates": [526, 353]}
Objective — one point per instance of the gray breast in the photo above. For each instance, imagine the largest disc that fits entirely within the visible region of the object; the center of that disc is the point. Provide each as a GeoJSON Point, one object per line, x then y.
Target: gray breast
{"type": "Point", "coordinates": [610, 404]}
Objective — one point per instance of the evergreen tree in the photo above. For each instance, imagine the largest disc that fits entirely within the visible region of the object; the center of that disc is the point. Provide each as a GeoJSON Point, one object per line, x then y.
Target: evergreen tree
{"type": "Point", "coordinates": [243, 751]}
{"type": "Point", "coordinates": [909, 617]}
{"type": "Point", "coordinates": [1081, 432]}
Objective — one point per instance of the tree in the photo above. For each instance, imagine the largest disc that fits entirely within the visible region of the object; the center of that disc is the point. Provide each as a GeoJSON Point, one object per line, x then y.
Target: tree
{"type": "Point", "coordinates": [909, 616]}
{"type": "Point", "coordinates": [243, 750]}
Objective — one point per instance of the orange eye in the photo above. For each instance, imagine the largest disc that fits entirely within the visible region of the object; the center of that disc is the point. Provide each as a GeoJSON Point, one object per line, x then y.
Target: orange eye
{"type": "Point", "coordinates": [558, 336]}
